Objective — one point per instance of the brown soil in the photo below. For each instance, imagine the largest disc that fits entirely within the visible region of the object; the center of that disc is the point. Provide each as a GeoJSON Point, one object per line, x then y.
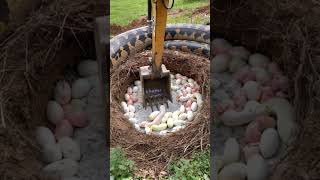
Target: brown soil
{"type": "Point", "coordinates": [153, 153]}
{"type": "Point", "coordinates": [205, 10]}
{"type": "Point", "coordinates": [117, 29]}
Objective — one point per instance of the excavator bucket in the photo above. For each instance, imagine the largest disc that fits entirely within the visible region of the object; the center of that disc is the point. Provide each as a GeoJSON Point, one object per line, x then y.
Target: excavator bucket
{"type": "Point", "coordinates": [155, 91]}
{"type": "Point", "coordinates": [155, 79]}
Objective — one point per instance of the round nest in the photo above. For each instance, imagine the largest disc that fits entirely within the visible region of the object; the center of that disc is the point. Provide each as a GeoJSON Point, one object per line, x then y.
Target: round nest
{"type": "Point", "coordinates": [288, 32]}
{"type": "Point", "coordinates": [153, 153]}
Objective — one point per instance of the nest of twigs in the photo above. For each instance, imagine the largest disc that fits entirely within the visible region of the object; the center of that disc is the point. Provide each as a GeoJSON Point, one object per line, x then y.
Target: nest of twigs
{"type": "Point", "coordinates": [153, 153]}
{"type": "Point", "coordinates": [289, 33]}
{"type": "Point", "coordinates": [33, 56]}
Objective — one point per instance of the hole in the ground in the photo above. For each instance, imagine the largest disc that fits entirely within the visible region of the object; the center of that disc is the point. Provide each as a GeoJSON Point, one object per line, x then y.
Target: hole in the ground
{"type": "Point", "coordinates": [163, 118]}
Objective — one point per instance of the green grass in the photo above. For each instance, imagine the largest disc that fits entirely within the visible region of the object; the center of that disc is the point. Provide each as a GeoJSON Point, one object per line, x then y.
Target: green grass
{"type": "Point", "coordinates": [187, 17]}
{"type": "Point", "coordinates": [198, 167]}
{"type": "Point", "coordinates": [120, 166]}
{"type": "Point", "coordinates": [125, 11]}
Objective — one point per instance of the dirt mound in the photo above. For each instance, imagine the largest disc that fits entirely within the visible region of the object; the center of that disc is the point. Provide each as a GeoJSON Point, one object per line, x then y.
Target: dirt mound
{"type": "Point", "coordinates": [117, 29]}
{"type": "Point", "coordinates": [154, 152]}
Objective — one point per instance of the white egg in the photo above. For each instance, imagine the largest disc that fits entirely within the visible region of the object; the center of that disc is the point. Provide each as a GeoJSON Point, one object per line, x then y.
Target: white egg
{"type": "Point", "coordinates": [190, 80]}
{"type": "Point", "coordinates": [126, 97]}
{"type": "Point", "coordinates": [135, 89]}
{"type": "Point", "coordinates": [194, 106]}
{"type": "Point", "coordinates": [131, 108]}
{"type": "Point", "coordinates": [220, 63]}
{"type": "Point", "coordinates": [269, 142]}
{"type": "Point", "coordinates": [44, 136]}
{"type": "Point", "coordinates": [70, 149]}
{"type": "Point", "coordinates": [137, 83]}
{"type": "Point", "coordinates": [63, 168]}
{"type": "Point", "coordinates": [129, 115]}
{"type": "Point", "coordinates": [190, 115]}
{"type": "Point", "coordinates": [170, 122]}
{"type": "Point", "coordinates": [55, 112]}
{"type": "Point", "coordinates": [51, 153]}
{"type": "Point", "coordinates": [183, 116]}
{"type": "Point", "coordinates": [259, 60]}
{"type": "Point", "coordinates": [62, 92]}
{"type": "Point", "coordinates": [133, 120]}
{"type": "Point", "coordinates": [252, 90]}
{"type": "Point", "coordinates": [189, 90]}
{"type": "Point", "coordinates": [182, 109]}
{"type": "Point", "coordinates": [234, 171]}
{"type": "Point", "coordinates": [178, 81]}
{"type": "Point", "coordinates": [240, 52]}
{"type": "Point", "coordinates": [220, 45]}
{"type": "Point", "coordinates": [80, 88]}
{"type": "Point", "coordinates": [87, 68]}
{"type": "Point", "coordinates": [231, 151]}
{"type": "Point", "coordinates": [257, 168]}
{"type": "Point", "coordinates": [78, 105]}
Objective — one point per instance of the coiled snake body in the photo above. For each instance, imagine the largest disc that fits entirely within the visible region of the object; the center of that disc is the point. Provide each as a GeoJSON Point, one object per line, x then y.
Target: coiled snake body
{"type": "Point", "coordinates": [183, 37]}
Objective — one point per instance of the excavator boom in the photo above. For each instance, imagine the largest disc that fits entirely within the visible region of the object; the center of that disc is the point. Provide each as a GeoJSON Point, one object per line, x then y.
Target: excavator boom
{"type": "Point", "coordinates": [155, 79]}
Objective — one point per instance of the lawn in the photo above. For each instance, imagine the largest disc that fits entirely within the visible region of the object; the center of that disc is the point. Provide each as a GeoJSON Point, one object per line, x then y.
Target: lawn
{"type": "Point", "coordinates": [124, 11]}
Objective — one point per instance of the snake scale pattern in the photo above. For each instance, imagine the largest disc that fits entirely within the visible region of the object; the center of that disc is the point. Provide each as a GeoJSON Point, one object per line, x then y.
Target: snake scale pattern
{"type": "Point", "coordinates": [184, 37]}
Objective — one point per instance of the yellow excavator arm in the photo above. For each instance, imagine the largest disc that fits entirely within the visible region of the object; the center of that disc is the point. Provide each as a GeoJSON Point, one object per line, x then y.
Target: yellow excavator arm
{"type": "Point", "coordinates": [159, 12]}
{"type": "Point", "coordinates": [155, 80]}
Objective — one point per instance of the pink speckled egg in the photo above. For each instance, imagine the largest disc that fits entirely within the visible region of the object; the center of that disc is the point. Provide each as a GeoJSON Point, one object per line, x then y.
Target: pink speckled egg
{"type": "Point", "coordinates": [63, 129]}
{"type": "Point", "coordinates": [78, 119]}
